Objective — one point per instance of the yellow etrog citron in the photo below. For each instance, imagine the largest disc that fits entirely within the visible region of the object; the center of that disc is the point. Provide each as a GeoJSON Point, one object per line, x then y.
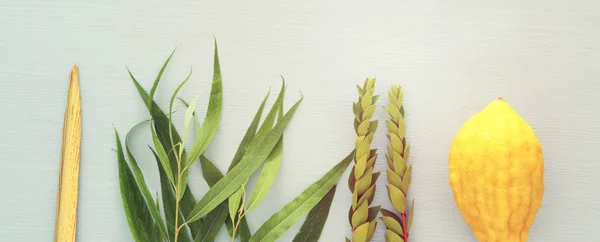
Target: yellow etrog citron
{"type": "Point", "coordinates": [496, 171]}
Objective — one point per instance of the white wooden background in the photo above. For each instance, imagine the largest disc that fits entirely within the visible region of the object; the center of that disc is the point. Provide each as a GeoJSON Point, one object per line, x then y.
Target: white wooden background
{"type": "Point", "coordinates": [451, 57]}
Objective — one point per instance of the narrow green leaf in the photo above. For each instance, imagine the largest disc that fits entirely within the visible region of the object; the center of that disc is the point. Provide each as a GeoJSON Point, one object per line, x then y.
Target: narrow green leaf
{"type": "Point", "coordinates": [248, 136]}
{"type": "Point", "coordinates": [245, 234]}
{"type": "Point", "coordinates": [162, 155]}
{"type": "Point", "coordinates": [243, 230]}
{"type": "Point", "coordinates": [212, 224]}
{"type": "Point", "coordinates": [216, 218]}
{"type": "Point", "coordinates": [168, 197]}
{"type": "Point", "coordinates": [234, 203]}
{"type": "Point", "coordinates": [267, 176]}
{"type": "Point", "coordinates": [175, 94]}
{"type": "Point", "coordinates": [157, 80]}
{"type": "Point", "coordinates": [189, 112]}
{"type": "Point", "coordinates": [170, 120]}
{"type": "Point", "coordinates": [250, 132]}
{"type": "Point", "coordinates": [140, 220]}
{"type": "Point", "coordinates": [281, 221]}
{"type": "Point", "coordinates": [315, 221]}
{"type": "Point", "coordinates": [163, 129]}
{"type": "Point", "coordinates": [257, 151]}
{"type": "Point", "coordinates": [213, 114]}
{"type": "Point", "coordinates": [141, 183]}
{"type": "Point", "coordinates": [183, 187]}
{"type": "Point", "coordinates": [267, 124]}
{"type": "Point", "coordinates": [210, 172]}
{"type": "Point", "coordinates": [212, 175]}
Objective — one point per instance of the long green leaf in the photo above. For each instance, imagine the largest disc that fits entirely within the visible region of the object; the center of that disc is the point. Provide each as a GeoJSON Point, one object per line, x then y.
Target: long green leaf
{"type": "Point", "coordinates": [141, 182]}
{"type": "Point", "coordinates": [234, 203]}
{"type": "Point", "coordinates": [140, 220]}
{"type": "Point", "coordinates": [266, 126]}
{"type": "Point", "coordinates": [214, 220]}
{"type": "Point", "coordinates": [315, 221]}
{"type": "Point", "coordinates": [168, 197]}
{"type": "Point", "coordinates": [211, 175]}
{"type": "Point", "coordinates": [212, 224]}
{"type": "Point", "coordinates": [249, 135]}
{"type": "Point", "coordinates": [244, 229]}
{"type": "Point", "coordinates": [269, 171]}
{"type": "Point", "coordinates": [189, 113]}
{"type": "Point", "coordinates": [182, 189]}
{"type": "Point", "coordinates": [157, 80]}
{"type": "Point", "coordinates": [188, 117]}
{"type": "Point", "coordinates": [267, 176]}
{"type": "Point", "coordinates": [171, 107]}
{"type": "Point", "coordinates": [213, 114]}
{"type": "Point", "coordinates": [210, 172]}
{"type": "Point", "coordinates": [280, 222]}
{"type": "Point", "coordinates": [256, 153]}
{"type": "Point", "coordinates": [162, 155]}
{"type": "Point", "coordinates": [163, 127]}
{"type": "Point", "coordinates": [241, 149]}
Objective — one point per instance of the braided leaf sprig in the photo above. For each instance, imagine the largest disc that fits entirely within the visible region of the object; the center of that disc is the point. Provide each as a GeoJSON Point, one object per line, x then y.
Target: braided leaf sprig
{"type": "Point", "coordinates": [398, 173]}
{"type": "Point", "coordinates": [362, 179]}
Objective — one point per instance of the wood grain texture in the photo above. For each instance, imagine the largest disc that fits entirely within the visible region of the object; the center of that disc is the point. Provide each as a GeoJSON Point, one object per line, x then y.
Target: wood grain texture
{"type": "Point", "coordinates": [65, 227]}
{"type": "Point", "coordinates": [450, 58]}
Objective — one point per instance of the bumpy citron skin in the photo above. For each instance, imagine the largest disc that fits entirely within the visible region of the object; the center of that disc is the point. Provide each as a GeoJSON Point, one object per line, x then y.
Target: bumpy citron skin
{"type": "Point", "coordinates": [496, 172]}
